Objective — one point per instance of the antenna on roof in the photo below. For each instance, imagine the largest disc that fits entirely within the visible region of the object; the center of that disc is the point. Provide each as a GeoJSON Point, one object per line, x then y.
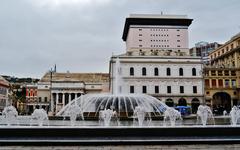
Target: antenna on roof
{"type": "Point", "coordinates": [55, 68]}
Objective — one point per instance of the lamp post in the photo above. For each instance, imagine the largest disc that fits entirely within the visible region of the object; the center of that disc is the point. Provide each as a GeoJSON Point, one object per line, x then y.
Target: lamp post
{"type": "Point", "coordinates": [50, 90]}
{"type": "Point", "coordinates": [203, 82]}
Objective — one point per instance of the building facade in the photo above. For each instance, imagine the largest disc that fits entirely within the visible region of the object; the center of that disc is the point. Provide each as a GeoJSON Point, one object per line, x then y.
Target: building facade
{"type": "Point", "coordinates": [222, 76]}
{"type": "Point", "coordinates": [202, 49]}
{"type": "Point", "coordinates": [58, 89]}
{"type": "Point", "coordinates": [31, 97]}
{"type": "Point", "coordinates": [168, 72]}
{"type": "Point", "coordinates": [156, 32]}
{"type": "Point", "coordinates": [4, 86]}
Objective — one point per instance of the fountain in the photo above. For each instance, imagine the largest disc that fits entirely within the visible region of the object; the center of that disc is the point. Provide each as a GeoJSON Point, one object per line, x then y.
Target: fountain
{"type": "Point", "coordinates": [141, 114]}
{"type": "Point", "coordinates": [73, 112]}
{"type": "Point", "coordinates": [235, 115]}
{"type": "Point", "coordinates": [125, 106]}
{"type": "Point", "coordinates": [39, 115]}
{"type": "Point", "coordinates": [10, 115]}
{"type": "Point", "coordinates": [114, 107]}
{"type": "Point", "coordinates": [106, 115]}
{"type": "Point", "coordinates": [172, 114]}
{"type": "Point", "coordinates": [204, 112]}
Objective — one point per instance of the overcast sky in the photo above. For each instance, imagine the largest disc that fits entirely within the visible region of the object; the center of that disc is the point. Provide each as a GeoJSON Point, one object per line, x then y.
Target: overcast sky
{"type": "Point", "coordinates": [81, 35]}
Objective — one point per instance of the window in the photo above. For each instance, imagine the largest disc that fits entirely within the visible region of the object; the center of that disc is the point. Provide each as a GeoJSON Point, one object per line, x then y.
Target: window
{"type": "Point", "coordinates": [220, 83]}
{"type": "Point", "coordinates": [168, 71]}
{"type": "Point", "coordinates": [45, 99]}
{"type": "Point", "coordinates": [226, 73]}
{"type": "Point", "coordinates": [181, 89]}
{"type": "Point", "coordinates": [131, 71]}
{"type": "Point", "coordinates": [39, 99]}
{"type": "Point", "coordinates": [144, 71]}
{"type": "Point", "coordinates": [233, 83]}
{"type": "Point", "coordinates": [213, 73]}
{"type": "Point", "coordinates": [140, 45]}
{"type": "Point", "coordinates": [178, 40]}
{"type": "Point", "coordinates": [214, 83]}
{"type": "Point", "coordinates": [194, 89]}
{"type": "Point", "coordinates": [178, 35]}
{"type": "Point", "coordinates": [140, 40]}
{"type": "Point", "coordinates": [220, 73]}
{"type": "Point", "coordinates": [131, 89]}
{"type": "Point", "coordinates": [193, 71]}
{"type": "Point", "coordinates": [180, 71]}
{"type": "Point", "coordinates": [144, 89]}
{"type": "Point", "coordinates": [207, 83]}
{"type": "Point", "coordinates": [169, 90]}
{"type": "Point", "coordinates": [233, 73]}
{"type": "Point", "coordinates": [226, 83]}
{"type": "Point", "coordinates": [156, 89]}
{"type": "Point", "coordinates": [156, 71]}
{"type": "Point", "coordinates": [140, 34]}
{"type": "Point", "coordinates": [140, 29]}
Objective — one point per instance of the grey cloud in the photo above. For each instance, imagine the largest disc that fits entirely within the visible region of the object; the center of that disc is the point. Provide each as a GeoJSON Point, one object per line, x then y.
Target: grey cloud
{"type": "Point", "coordinates": [81, 38]}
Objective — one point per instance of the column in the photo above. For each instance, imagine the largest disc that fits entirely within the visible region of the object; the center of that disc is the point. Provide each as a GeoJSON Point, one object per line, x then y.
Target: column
{"type": "Point", "coordinates": [75, 95]}
{"type": "Point", "coordinates": [63, 99]}
{"type": "Point", "coordinates": [210, 83]}
{"type": "Point", "coordinates": [69, 97]}
{"type": "Point", "coordinates": [52, 102]}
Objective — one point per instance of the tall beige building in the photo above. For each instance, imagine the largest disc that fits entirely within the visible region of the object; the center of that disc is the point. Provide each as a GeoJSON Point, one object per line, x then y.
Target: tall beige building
{"type": "Point", "coordinates": [156, 32]}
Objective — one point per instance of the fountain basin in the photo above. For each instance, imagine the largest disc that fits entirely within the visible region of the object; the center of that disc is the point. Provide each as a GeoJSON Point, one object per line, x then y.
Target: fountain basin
{"type": "Point", "coordinates": [119, 135]}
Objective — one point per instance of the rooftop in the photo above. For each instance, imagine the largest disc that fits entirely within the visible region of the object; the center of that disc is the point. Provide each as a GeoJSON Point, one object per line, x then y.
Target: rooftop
{"type": "Point", "coordinates": [3, 82]}
{"type": "Point", "coordinates": [76, 77]}
{"type": "Point", "coordinates": [154, 19]}
{"type": "Point", "coordinates": [235, 37]}
{"type": "Point", "coordinates": [157, 16]}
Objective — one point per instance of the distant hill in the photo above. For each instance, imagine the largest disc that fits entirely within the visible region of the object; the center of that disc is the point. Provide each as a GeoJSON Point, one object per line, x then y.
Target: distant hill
{"type": "Point", "coordinates": [19, 80]}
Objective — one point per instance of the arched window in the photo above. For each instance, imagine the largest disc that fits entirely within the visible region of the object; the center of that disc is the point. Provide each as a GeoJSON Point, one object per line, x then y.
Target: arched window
{"type": "Point", "coordinates": [169, 102]}
{"type": "Point", "coordinates": [195, 103]}
{"type": "Point", "coordinates": [131, 71]}
{"type": "Point", "coordinates": [193, 71]}
{"type": "Point", "coordinates": [168, 71]}
{"type": "Point", "coordinates": [182, 102]}
{"type": "Point", "coordinates": [156, 71]}
{"type": "Point", "coordinates": [180, 71]}
{"type": "Point", "coordinates": [144, 71]}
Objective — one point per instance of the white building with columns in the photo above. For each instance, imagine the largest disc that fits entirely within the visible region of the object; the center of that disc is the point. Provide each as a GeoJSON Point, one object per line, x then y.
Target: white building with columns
{"type": "Point", "coordinates": [168, 72]}
{"type": "Point", "coordinates": [61, 88]}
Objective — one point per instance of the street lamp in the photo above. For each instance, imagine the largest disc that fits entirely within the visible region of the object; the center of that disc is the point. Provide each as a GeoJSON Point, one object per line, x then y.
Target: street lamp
{"type": "Point", "coordinates": [50, 90]}
{"type": "Point", "coordinates": [201, 72]}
